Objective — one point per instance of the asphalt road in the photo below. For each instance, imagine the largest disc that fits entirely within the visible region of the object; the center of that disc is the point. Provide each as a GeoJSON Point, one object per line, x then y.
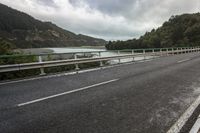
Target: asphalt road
{"type": "Point", "coordinates": [145, 97]}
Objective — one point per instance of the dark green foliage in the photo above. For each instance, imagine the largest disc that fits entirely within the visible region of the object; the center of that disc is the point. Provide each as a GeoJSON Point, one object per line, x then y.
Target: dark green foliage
{"type": "Point", "coordinates": [7, 56]}
{"type": "Point", "coordinates": [26, 32]}
{"type": "Point", "coordinates": [19, 74]}
{"type": "Point", "coordinates": [5, 47]}
{"type": "Point", "coordinates": [179, 31]}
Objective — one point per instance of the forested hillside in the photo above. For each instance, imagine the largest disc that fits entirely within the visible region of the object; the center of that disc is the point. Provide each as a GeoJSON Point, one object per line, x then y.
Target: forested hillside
{"type": "Point", "coordinates": [179, 31]}
{"type": "Point", "coordinates": [26, 32]}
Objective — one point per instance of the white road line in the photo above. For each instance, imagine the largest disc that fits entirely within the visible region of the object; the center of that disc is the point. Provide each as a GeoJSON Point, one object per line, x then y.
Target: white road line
{"type": "Point", "coordinates": [65, 93]}
{"type": "Point", "coordinates": [184, 118]}
{"type": "Point", "coordinates": [183, 60]}
{"type": "Point", "coordinates": [196, 126]}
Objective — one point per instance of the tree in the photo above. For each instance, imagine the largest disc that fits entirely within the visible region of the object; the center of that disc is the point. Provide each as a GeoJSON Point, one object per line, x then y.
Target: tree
{"type": "Point", "coordinates": [178, 31]}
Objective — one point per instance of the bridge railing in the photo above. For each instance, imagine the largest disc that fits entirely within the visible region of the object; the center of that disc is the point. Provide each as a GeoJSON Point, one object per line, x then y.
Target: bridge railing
{"type": "Point", "coordinates": [121, 54]}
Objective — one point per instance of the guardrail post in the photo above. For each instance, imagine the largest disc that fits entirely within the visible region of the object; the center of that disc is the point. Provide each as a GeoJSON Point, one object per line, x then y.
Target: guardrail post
{"type": "Point", "coordinates": [133, 54]}
{"type": "Point", "coordinates": [99, 54]}
{"type": "Point", "coordinates": [76, 65]}
{"type": "Point", "coordinates": [119, 60]}
{"type": "Point", "coordinates": [118, 52]}
{"type": "Point", "coordinates": [101, 64]}
{"type": "Point", "coordinates": [181, 50]}
{"type": "Point", "coordinates": [133, 58]}
{"type": "Point", "coordinates": [153, 51]}
{"type": "Point", "coordinates": [167, 52]}
{"type": "Point", "coordinates": [132, 51]}
{"type": "Point", "coordinates": [144, 54]}
{"type": "Point", "coordinates": [41, 69]}
{"type": "Point", "coordinates": [175, 51]}
{"type": "Point", "coordinates": [161, 52]}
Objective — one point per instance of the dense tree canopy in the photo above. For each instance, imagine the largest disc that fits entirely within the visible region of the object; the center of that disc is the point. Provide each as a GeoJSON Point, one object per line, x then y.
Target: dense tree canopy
{"type": "Point", "coordinates": [182, 30]}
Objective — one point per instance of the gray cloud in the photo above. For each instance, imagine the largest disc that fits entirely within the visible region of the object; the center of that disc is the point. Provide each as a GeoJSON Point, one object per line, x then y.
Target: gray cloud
{"type": "Point", "coordinates": [50, 3]}
{"type": "Point", "coordinates": [111, 7]}
{"type": "Point", "coordinates": [141, 10]}
{"type": "Point", "coordinates": [108, 19]}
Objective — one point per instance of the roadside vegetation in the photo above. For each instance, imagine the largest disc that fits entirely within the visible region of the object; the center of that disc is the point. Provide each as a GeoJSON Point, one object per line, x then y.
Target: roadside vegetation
{"type": "Point", "coordinates": [8, 56]}
{"type": "Point", "coordinates": [6, 49]}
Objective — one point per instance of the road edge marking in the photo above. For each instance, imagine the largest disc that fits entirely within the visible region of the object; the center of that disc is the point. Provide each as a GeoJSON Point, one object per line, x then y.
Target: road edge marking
{"type": "Point", "coordinates": [184, 117]}
{"type": "Point", "coordinates": [195, 128]}
{"type": "Point", "coordinates": [65, 93]}
{"type": "Point", "coordinates": [183, 60]}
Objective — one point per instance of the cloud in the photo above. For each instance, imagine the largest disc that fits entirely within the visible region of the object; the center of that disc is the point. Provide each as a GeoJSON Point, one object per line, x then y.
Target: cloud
{"type": "Point", "coordinates": [50, 3]}
{"type": "Point", "coordinates": [108, 19]}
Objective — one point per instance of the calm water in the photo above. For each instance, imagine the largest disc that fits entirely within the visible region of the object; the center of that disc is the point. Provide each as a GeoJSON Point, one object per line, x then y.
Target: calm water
{"type": "Point", "coordinates": [74, 49]}
{"type": "Point", "coordinates": [103, 54]}
{"type": "Point", "coordinates": [78, 49]}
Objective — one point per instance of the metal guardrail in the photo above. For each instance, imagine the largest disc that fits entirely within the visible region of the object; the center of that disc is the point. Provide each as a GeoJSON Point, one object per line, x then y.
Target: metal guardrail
{"type": "Point", "coordinates": [99, 52]}
{"type": "Point", "coordinates": [76, 61]}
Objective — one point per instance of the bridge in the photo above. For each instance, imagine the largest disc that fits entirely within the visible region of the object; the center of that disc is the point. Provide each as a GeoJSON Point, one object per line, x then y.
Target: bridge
{"type": "Point", "coordinates": [151, 95]}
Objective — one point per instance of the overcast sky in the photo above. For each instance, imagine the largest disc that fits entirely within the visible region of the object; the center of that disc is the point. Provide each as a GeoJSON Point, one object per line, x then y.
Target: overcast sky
{"type": "Point", "coordinates": [107, 19]}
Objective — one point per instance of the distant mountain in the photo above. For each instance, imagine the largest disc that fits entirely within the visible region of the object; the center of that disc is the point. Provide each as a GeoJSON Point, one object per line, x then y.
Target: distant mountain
{"type": "Point", "coordinates": [27, 32]}
{"type": "Point", "coordinates": [179, 31]}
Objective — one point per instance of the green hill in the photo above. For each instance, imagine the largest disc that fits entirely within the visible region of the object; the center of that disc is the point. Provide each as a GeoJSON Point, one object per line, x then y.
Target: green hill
{"type": "Point", "coordinates": [179, 31]}
{"type": "Point", "coordinates": [26, 32]}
